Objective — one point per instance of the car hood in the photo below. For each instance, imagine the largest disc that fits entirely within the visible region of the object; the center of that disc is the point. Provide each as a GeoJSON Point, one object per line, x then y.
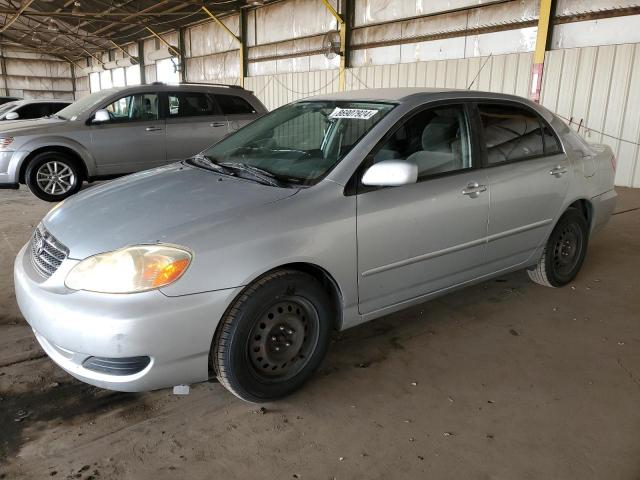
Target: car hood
{"type": "Point", "coordinates": [169, 204]}
{"type": "Point", "coordinates": [28, 127]}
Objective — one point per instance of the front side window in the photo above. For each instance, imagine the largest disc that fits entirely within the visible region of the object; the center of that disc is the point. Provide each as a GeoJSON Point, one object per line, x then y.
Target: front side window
{"type": "Point", "coordinates": [510, 133]}
{"type": "Point", "coordinates": [436, 140]}
{"type": "Point", "coordinates": [138, 107]}
{"type": "Point", "coordinates": [234, 105]}
{"type": "Point", "coordinates": [191, 104]}
{"type": "Point", "coordinates": [302, 141]}
{"type": "Point", "coordinates": [33, 110]}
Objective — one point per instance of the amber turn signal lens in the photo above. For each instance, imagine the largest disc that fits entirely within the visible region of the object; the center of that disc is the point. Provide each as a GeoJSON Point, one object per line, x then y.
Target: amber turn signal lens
{"type": "Point", "coordinates": [170, 273]}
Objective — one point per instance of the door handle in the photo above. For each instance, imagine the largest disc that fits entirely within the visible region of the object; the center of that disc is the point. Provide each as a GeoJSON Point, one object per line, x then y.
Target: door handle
{"type": "Point", "coordinates": [153, 129]}
{"type": "Point", "coordinates": [474, 189]}
{"type": "Point", "coordinates": [218, 124]}
{"type": "Point", "coordinates": [558, 171]}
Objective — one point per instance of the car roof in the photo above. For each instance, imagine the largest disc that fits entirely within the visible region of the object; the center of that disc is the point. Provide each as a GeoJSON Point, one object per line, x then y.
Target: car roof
{"type": "Point", "coordinates": [400, 95]}
{"type": "Point", "coordinates": [168, 87]}
{"type": "Point", "coordinates": [40, 100]}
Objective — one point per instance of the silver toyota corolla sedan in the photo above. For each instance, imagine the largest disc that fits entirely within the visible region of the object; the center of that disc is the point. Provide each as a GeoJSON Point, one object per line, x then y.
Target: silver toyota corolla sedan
{"type": "Point", "coordinates": [326, 213]}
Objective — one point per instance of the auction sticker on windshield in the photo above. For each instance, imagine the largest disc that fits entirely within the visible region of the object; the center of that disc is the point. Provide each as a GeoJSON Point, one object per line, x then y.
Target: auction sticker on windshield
{"type": "Point", "coordinates": [354, 113]}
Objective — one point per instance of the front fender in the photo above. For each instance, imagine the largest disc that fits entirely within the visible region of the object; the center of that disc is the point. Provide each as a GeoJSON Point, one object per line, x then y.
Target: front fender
{"type": "Point", "coordinates": [56, 141]}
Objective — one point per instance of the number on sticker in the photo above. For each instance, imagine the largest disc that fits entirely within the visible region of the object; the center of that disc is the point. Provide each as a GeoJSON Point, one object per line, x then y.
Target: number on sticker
{"type": "Point", "coordinates": [353, 113]}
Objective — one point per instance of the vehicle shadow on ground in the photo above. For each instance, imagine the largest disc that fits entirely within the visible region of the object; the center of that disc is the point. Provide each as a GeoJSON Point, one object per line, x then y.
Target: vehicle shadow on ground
{"type": "Point", "coordinates": [62, 403]}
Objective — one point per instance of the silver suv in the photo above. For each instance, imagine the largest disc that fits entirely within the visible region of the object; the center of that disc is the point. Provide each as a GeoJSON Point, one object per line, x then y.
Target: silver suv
{"type": "Point", "coordinates": [119, 131]}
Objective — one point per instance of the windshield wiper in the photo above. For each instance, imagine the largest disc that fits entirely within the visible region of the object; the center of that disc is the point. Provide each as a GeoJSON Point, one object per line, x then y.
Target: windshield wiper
{"type": "Point", "coordinates": [211, 164]}
{"type": "Point", "coordinates": [264, 175]}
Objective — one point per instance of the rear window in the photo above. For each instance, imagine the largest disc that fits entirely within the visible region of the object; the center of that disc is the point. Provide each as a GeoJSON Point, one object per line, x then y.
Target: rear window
{"type": "Point", "coordinates": [234, 105]}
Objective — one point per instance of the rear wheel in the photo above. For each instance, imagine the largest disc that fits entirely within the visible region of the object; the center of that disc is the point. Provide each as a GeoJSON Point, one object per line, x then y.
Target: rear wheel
{"type": "Point", "coordinates": [273, 337]}
{"type": "Point", "coordinates": [564, 253]}
{"type": "Point", "coordinates": [53, 176]}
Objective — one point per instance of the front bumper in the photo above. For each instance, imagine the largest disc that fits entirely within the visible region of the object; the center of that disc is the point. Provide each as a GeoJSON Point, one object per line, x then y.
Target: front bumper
{"type": "Point", "coordinates": [71, 326]}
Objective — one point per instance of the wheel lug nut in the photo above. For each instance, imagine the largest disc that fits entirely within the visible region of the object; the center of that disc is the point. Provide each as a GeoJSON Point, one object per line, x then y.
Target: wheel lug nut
{"type": "Point", "coordinates": [291, 332]}
{"type": "Point", "coordinates": [281, 327]}
{"type": "Point", "coordinates": [277, 349]}
{"type": "Point", "coordinates": [274, 338]}
{"type": "Point", "coordinates": [288, 344]}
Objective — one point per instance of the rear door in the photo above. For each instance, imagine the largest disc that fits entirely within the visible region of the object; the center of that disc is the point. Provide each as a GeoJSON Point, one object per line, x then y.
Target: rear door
{"type": "Point", "coordinates": [194, 122]}
{"type": "Point", "coordinates": [237, 110]}
{"type": "Point", "coordinates": [529, 177]}
{"type": "Point", "coordinates": [134, 138]}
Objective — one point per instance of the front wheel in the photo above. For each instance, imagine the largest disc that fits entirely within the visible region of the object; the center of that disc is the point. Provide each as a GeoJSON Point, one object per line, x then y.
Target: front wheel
{"type": "Point", "coordinates": [564, 253]}
{"type": "Point", "coordinates": [53, 176]}
{"type": "Point", "coordinates": [273, 337]}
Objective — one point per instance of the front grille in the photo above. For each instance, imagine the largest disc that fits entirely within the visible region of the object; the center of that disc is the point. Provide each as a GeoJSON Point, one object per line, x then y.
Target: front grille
{"type": "Point", "coordinates": [116, 366]}
{"type": "Point", "coordinates": [47, 253]}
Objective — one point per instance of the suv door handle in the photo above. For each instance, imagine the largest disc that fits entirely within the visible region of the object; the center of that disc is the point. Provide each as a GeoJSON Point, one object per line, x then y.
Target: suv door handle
{"type": "Point", "coordinates": [558, 171]}
{"type": "Point", "coordinates": [218, 124]}
{"type": "Point", "coordinates": [153, 129]}
{"type": "Point", "coordinates": [474, 189]}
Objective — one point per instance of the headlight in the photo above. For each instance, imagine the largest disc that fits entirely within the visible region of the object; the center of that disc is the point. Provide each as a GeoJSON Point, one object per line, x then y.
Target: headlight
{"type": "Point", "coordinates": [130, 269]}
{"type": "Point", "coordinates": [5, 142]}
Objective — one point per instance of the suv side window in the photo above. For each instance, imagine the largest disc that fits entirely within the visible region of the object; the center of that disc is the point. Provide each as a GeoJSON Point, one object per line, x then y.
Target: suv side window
{"type": "Point", "coordinates": [191, 104]}
{"type": "Point", "coordinates": [514, 133]}
{"type": "Point", "coordinates": [133, 108]}
{"type": "Point", "coordinates": [234, 105]}
{"type": "Point", "coordinates": [436, 139]}
{"type": "Point", "coordinates": [33, 110]}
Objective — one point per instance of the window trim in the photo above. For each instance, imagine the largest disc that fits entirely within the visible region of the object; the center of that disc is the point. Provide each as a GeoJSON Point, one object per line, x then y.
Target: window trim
{"type": "Point", "coordinates": [355, 187]}
{"type": "Point", "coordinates": [482, 144]}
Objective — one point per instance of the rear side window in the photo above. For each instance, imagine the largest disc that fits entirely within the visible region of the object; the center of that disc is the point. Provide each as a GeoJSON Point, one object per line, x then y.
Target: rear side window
{"type": "Point", "coordinates": [512, 133]}
{"type": "Point", "coordinates": [234, 105]}
{"type": "Point", "coordinates": [191, 104]}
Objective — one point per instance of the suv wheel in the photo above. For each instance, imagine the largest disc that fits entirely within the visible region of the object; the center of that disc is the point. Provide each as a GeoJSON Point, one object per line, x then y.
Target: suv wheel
{"type": "Point", "coordinates": [564, 253]}
{"type": "Point", "coordinates": [273, 337]}
{"type": "Point", "coordinates": [53, 176]}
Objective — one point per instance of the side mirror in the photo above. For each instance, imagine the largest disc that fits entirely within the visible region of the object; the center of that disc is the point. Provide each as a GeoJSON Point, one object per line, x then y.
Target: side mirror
{"type": "Point", "coordinates": [12, 116]}
{"type": "Point", "coordinates": [391, 173]}
{"type": "Point", "coordinates": [101, 116]}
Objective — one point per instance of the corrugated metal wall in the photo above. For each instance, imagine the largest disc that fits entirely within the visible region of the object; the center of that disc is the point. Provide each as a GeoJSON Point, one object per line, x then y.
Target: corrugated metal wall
{"type": "Point", "coordinates": [30, 75]}
{"type": "Point", "coordinates": [599, 87]}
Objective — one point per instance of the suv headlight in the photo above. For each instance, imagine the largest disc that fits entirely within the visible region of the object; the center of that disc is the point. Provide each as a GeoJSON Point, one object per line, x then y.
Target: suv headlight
{"type": "Point", "coordinates": [5, 142]}
{"type": "Point", "coordinates": [130, 269]}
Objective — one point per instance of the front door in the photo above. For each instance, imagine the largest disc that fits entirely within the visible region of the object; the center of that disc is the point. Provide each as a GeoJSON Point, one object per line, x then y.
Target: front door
{"type": "Point", "coordinates": [133, 139]}
{"type": "Point", "coordinates": [194, 123]}
{"type": "Point", "coordinates": [528, 176]}
{"type": "Point", "coordinates": [421, 238]}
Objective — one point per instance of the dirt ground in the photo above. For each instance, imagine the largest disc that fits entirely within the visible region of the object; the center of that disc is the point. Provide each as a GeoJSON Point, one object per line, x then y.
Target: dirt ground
{"type": "Point", "coordinates": [504, 380]}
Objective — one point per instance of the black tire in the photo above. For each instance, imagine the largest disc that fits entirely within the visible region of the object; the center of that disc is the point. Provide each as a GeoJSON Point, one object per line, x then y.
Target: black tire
{"type": "Point", "coordinates": [65, 180]}
{"type": "Point", "coordinates": [254, 353]}
{"type": "Point", "coordinates": [564, 253]}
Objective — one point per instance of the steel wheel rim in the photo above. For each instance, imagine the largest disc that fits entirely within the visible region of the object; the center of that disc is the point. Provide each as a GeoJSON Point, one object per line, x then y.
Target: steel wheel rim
{"type": "Point", "coordinates": [55, 177]}
{"type": "Point", "coordinates": [567, 250]}
{"type": "Point", "coordinates": [283, 339]}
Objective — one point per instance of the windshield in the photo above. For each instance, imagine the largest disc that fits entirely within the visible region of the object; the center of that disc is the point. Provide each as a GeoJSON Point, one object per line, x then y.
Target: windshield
{"type": "Point", "coordinates": [300, 142]}
{"type": "Point", "coordinates": [76, 109]}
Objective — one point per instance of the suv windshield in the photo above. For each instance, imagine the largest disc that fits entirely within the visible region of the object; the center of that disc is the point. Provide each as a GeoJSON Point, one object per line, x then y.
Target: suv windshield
{"type": "Point", "coordinates": [299, 142]}
{"type": "Point", "coordinates": [85, 103]}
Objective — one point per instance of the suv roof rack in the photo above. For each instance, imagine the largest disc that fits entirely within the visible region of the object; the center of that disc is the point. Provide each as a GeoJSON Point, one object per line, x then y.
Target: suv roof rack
{"type": "Point", "coordinates": [212, 85]}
